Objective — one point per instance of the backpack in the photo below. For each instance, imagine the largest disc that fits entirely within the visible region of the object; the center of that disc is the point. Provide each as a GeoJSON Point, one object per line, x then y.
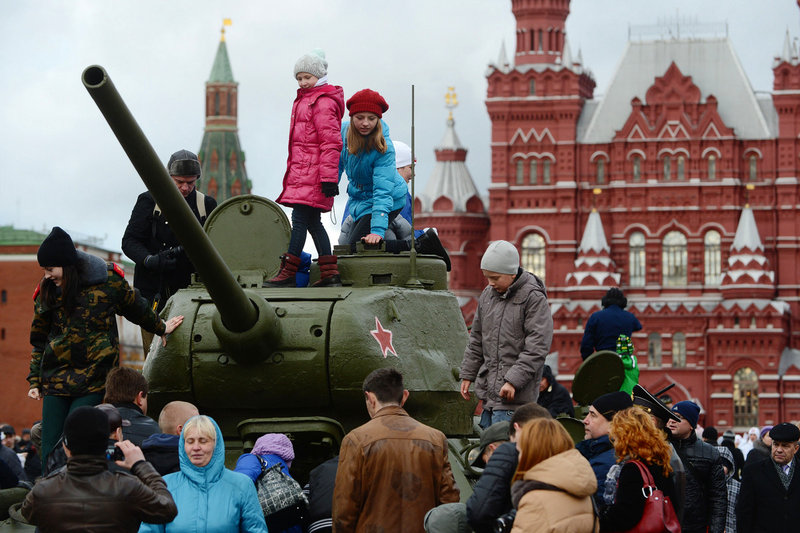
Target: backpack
{"type": "Point", "coordinates": [282, 499]}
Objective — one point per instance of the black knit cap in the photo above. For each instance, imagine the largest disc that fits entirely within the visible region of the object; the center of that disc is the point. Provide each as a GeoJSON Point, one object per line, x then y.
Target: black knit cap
{"type": "Point", "coordinates": [57, 250]}
{"type": "Point", "coordinates": [183, 163]}
{"type": "Point", "coordinates": [785, 432]}
{"type": "Point", "coordinates": [86, 431]}
{"type": "Point", "coordinates": [610, 404]}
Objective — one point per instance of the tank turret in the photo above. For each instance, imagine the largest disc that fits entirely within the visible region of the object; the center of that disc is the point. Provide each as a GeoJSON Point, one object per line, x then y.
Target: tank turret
{"type": "Point", "coordinates": [291, 360]}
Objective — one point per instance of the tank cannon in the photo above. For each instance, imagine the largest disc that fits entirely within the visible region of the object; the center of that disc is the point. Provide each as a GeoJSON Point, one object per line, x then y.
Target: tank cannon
{"type": "Point", "coordinates": [290, 360]}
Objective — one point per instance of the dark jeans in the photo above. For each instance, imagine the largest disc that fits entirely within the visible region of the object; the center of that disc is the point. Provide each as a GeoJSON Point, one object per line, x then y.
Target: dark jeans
{"type": "Point", "coordinates": [362, 228]}
{"type": "Point", "coordinates": [55, 410]}
{"type": "Point", "coordinates": [307, 219]}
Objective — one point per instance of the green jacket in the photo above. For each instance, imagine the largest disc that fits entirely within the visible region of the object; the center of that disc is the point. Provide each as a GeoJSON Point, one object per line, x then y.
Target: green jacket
{"type": "Point", "coordinates": [73, 354]}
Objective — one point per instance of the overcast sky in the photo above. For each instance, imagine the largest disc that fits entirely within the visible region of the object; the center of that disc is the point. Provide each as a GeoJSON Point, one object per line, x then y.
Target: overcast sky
{"type": "Point", "coordinates": [61, 165]}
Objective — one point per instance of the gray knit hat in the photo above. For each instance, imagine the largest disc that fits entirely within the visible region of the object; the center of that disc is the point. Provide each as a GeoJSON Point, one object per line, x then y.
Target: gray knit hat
{"type": "Point", "coordinates": [501, 257]}
{"type": "Point", "coordinates": [314, 63]}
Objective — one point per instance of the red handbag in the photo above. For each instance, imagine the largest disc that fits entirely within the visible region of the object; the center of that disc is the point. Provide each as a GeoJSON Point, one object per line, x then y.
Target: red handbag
{"type": "Point", "coordinates": [659, 515]}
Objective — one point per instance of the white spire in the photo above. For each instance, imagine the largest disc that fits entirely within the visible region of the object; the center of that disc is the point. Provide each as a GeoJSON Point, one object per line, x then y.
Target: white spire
{"type": "Point", "coordinates": [580, 57]}
{"type": "Point", "coordinates": [566, 55]}
{"type": "Point", "coordinates": [747, 233]}
{"type": "Point", "coordinates": [786, 55]}
{"type": "Point", "coordinates": [502, 57]}
{"type": "Point", "coordinates": [594, 238]}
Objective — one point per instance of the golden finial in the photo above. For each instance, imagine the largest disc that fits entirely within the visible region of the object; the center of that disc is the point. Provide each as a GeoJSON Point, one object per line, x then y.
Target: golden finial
{"type": "Point", "coordinates": [595, 193]}
{"type": "Point", "coordinates": [450, 101]}
{"type": "Point", "coordinates": [225, 22]}
{"type": "Point", "coordinates": [749, 187]}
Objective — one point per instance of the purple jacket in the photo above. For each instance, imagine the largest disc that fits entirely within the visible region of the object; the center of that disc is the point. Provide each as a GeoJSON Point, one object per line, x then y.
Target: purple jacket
{"type": "Point", "coordinates": [315, 142]}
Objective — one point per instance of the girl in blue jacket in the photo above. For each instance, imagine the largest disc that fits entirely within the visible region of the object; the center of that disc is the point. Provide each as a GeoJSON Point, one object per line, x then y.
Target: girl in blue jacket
{"type": "Point", "coordinates": [377, 193]}
{"type": "Point", "coordinates": [209, 497]}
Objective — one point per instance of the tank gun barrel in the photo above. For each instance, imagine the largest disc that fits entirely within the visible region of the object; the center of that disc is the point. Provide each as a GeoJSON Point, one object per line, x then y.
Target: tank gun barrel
{"type": "Point", "coordinates": [238, 312]}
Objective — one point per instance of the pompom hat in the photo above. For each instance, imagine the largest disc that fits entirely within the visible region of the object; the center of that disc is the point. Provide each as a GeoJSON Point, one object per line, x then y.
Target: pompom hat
{"type": "Point", "coordinates": [276, 444]}
{"type": "Point", "coordinates": [367, 101]}
{"type": "Point", "coordinates": [57, 250]}
{"type": "Point", "coordinates": [314, 63]}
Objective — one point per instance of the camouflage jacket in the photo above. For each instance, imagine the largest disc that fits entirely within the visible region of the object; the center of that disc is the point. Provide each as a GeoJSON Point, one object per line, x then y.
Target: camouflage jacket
{"type": "Point", "coordinates": [72, 353]}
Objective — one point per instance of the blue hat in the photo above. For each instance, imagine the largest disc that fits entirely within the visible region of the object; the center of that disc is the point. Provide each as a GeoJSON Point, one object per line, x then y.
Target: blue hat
{"type": "Point", "coordinates": [688, 410]}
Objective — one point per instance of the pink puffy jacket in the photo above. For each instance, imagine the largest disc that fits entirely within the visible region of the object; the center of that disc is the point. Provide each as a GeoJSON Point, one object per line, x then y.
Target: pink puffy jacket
{"type": "Point", "coordinates": [315, 143]}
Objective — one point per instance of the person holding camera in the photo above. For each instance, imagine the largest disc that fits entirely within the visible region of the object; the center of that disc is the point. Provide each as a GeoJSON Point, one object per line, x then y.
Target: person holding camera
{"type": "Point", "coordinates": [162, 267]}
{"type": "Point", "coordinates": [86, 496]}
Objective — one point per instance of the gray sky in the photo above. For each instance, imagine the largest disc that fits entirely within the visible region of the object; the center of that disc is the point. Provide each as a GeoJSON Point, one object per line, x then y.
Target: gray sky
{"type": "Point", "coordinates": [61, 165]}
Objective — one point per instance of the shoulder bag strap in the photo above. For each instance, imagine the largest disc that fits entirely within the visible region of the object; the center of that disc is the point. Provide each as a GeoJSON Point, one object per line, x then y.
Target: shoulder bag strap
{"type": "Point", "coordinates": [647, 478]}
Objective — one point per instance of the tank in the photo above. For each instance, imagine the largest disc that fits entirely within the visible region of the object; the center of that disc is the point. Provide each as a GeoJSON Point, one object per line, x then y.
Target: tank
{"type": "Point", "coordinates": [291, 360]}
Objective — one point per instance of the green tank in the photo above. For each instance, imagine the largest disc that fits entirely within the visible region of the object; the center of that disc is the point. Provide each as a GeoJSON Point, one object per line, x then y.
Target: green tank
{"type": "Point", "coordinates": [291, 360]}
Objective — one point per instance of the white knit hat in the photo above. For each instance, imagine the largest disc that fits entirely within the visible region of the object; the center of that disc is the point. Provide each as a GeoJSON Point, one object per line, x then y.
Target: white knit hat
{"type": "Point", "coordinates": [501, 257]}
{"type": "Point", "coordinates": [402, 154]}
{"type": "Point", "coordinates": [314, 63]}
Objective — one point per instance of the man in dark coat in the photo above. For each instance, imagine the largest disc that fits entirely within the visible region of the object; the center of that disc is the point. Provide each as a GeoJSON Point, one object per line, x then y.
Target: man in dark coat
{"type": "Point", "coordinates": [554, 396]}
{"type": "Point", "coordinates": [769, 497]}
{"type": "Point", "coordinates": [706, 497]}
{"type": "Point", "coordinates": [162, 268]}
{"type": "Point", "coordinates": [126, 389]}
{"type": "Point", "coordinates": [604, 327]}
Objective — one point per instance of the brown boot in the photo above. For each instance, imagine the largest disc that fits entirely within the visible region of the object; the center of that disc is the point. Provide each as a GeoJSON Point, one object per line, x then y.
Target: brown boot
{"type": "Point", "coordinates": [286, 275]}
{"type": "Point", "coordinates": [328, 272]}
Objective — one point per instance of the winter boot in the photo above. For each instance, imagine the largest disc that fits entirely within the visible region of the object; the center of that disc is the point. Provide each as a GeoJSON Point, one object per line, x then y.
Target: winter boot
{"type": "Point", "coordinates": [286, 275]}
{"type": "Point", "coordinates": [429, 243]}
{"type": "Point", "coordinates": [328, 272]}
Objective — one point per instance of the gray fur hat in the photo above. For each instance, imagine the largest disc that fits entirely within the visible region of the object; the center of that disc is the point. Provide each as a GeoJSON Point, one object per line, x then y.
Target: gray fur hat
{"type": "Point", "coordinates": [314, 63]}
{"type": "Point", "coordinates": [501, 257]}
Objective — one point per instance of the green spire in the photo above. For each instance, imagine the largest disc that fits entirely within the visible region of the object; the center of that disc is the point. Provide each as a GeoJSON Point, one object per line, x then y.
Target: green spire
{"type": "Point", "coordinates": [221, 71]}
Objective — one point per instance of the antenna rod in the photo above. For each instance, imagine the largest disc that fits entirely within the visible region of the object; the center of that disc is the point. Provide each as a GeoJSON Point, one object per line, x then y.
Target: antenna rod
{"type": "Point", "coordinates": [413, 281]}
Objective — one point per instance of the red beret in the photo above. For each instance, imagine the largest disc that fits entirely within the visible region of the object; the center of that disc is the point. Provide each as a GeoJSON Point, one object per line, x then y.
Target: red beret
{"type": "Point", "coordinates": [367, 101]}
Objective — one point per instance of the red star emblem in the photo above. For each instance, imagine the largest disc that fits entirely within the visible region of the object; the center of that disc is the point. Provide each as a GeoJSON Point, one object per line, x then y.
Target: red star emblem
{"type": "Point", "coordinates": [384, 338]}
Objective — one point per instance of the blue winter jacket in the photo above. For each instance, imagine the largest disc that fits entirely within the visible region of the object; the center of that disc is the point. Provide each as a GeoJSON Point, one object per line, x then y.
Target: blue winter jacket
{"type": "Point", "coordinates": [375, 188]}
{"type": "Point", "coordinates": [249, 465]}
{"type": "Point", "coordinates": [601, 455]}
{"type": "Point", "coordinates": [211, 499]}
{"type": "Point", "coordinates": [603, 328]}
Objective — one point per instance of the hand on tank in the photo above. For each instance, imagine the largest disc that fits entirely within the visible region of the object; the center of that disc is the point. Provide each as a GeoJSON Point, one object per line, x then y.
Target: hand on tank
{"type": "Point", "coordinates": [465, 384]}
{"type": "Point", "coordinates": [133, 454]}
{"type": "Point", "coordinates": [507, 392]}
{"type": "Point", "coordinates": [34, 394]}
{"type": "Point", "coordinates": [372, 239]}
{"type": "Point", "coordinates": [172, 323]}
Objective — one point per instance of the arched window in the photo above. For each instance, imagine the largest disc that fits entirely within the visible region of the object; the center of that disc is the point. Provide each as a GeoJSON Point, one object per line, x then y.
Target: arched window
{"type": "Point", "coordinates": [216, 103]}
{"type": "Point", "coordinates": [532, 87]}
{"type": "Point", "coordinates": [636, 259]}
{"type": "Point", "coordinates": [679, 350]}
{"type": "Point", "coordinates": [601, 170]}
{"type": "Point", "coordinates": [533, 254]}
{"type": "Point", "coordinates": [546, 177]}
{"type": "Point", "coordinates": [228, 104]}
{"type": "Point", "coordinates": [520, 172]}
{"type": "Point", "coordinates": [654, 350]}
{"type": "Point", "coordinates": [667, 168]}
{"type": "Point", "coordinates": [534, 171]}
{"type": "Point", "coordinates": [753, 167]}
{"type": "Point", "coordinates": [712, 261]}
{"type": "Point", "coordinates": [745, 398]}
{"type": "Point", "coordinates": [712, 167]}
{"type": "Point", "coordinates": [637, 168]}
{"type": "Point", "coordinates": [3, 296]}
{"type": "Point", "coordinates": [681, 168]}
{"type": "Point", "coordinates": [673, 258]}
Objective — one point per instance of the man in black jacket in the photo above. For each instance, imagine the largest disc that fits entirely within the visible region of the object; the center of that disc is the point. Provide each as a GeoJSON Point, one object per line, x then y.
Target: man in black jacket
{"type": "Point", "coordinates": [554, 396]}
{"type": "Point", "coordinates": [162, 268]}
{"type": "Point", "coordinates": [706, 499]}
{"type": "Point", "coordinates": [769, 497]}
{"type": "Point", "coordinates": [126, 389]}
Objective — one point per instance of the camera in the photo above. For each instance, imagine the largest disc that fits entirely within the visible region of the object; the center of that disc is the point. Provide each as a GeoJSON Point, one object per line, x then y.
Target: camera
{"type": "Point", "coordinates": [504, 523]}
{"type": "Point", "coordinates": [114, 454]}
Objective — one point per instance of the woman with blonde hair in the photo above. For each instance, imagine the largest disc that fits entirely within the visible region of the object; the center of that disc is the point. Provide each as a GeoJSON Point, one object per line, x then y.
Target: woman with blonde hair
{"type": "Point", "coordinates": [635, 438]}
{"type": "Point", "coordinates": [554, 483]}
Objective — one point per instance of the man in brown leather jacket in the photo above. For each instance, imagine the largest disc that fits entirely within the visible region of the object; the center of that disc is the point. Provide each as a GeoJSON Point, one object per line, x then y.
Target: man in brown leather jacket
{"type": "Point", "coordinates": [85, 496]}
{"type": "Point", "coordinates": [393, 469]}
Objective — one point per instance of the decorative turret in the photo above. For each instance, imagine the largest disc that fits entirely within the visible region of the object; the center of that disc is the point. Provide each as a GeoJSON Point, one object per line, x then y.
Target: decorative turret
{"type": "Point", "coordinates": [452, 204]}
{"type": "Point", "coordinates": [540, 30]}
{"type": "Point", "coordinates": [748, 274]}
{"type": "Point", "coordinates": [595, 271]}
{"type": "Point", "coordinates": [223, 161]}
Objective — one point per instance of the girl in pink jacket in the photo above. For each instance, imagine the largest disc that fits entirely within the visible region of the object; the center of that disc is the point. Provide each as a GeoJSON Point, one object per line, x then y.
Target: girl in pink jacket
{"type": "Point", "coordinates": [312, 170]}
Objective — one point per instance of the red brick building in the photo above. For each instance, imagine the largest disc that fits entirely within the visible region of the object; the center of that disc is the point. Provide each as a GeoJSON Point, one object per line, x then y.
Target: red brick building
{"type": "Point", "coordinates": [680, 185]}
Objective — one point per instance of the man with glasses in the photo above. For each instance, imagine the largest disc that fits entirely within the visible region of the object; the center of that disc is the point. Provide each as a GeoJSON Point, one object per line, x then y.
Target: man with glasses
{"type": "Point", "coordinates": [162, 268]}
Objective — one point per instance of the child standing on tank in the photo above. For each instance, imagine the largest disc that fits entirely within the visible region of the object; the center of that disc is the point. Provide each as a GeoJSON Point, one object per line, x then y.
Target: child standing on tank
{"type": "Point", "coordinates": [377, 193]}
{"type": "Point", "coordinates": [312, 179]}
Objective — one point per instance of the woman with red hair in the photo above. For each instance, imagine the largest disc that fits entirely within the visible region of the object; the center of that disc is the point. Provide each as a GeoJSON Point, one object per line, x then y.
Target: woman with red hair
{"type": "Point", "coordinates": [554, 483]}
{"type": "Point", "coordinates": [635, 438]}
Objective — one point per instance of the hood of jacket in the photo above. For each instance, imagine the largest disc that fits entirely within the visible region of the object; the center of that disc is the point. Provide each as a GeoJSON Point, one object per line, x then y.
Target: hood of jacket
{"type": "Point", "coordinates": [204, 475]}
{"type": "Point", "coordinates": [91, 269]}
{"type": "Point", "coordinates": [161, 440]}
{"type": "Point", "coordinates": [728, 457]}
{"type": "Point", "coordinates": [568, 470]}
{"type": "Point", "coordinates": [524, 278]}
